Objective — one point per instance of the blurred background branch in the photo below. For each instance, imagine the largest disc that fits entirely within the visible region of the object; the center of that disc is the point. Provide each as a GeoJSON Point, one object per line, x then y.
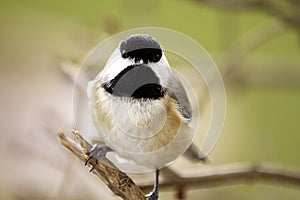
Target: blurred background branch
{"type": "Point", "coordinates": [240, 48]}
{"type": "Point", "coordinates": [287, 11]}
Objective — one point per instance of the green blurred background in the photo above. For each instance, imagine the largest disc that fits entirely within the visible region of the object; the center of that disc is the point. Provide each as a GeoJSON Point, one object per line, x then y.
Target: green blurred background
{"type": "Point", "coordinates": [255, 45]}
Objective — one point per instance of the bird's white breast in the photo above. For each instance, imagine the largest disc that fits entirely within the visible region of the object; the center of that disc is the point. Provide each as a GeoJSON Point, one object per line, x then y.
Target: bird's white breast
{"type": "Point", "coordinates": [150, 132]}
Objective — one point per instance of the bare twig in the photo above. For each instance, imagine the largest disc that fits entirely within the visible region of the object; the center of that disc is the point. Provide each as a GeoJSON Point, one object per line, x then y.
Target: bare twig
{"type": "Point", "coordinates": [116, 180]}
{"type": "Point", "coordinates": [227, 174]}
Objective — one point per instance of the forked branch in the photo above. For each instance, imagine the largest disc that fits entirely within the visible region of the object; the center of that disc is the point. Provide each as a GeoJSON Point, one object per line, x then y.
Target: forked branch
{"type": "Point", "coordinates": [115, 179]}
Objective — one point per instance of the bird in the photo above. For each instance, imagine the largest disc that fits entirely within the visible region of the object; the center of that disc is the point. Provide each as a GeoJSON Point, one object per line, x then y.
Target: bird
{"type": "Point", "coordinates": [139, 107]}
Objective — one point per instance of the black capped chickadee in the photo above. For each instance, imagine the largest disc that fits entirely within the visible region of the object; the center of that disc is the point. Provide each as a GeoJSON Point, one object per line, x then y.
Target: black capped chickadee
{"type": "Point", "coordinates": [139, 106]}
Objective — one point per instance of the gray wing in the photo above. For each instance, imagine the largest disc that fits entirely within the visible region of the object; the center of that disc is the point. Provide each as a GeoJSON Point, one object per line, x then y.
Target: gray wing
{"type": "Point", "coordinates": [178, 93]}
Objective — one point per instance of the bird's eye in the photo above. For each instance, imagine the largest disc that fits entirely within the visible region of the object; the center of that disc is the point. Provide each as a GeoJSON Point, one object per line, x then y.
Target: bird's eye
{"type": "Point", "coordinates": [125, 55]}
{"type": "Point", "coordinates": [156, 57]}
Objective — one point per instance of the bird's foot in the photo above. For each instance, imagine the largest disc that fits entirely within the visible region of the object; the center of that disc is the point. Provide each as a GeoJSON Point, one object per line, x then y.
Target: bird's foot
{"type": "Point", "coordinates": [97, 152]}
{"type": "Point", "coordinates": [152, 195]}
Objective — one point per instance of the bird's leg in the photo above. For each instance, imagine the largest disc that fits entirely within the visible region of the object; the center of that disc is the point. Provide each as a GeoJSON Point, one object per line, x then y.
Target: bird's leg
{"type": "Point", "coordinates": [154, 194]}
{"type": "Point", "coordinates": [97, 152]}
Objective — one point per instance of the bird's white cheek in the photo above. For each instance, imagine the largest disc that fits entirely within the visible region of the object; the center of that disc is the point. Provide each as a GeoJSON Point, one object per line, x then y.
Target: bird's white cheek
{"type": "Point", "coordinates": [114, 66]}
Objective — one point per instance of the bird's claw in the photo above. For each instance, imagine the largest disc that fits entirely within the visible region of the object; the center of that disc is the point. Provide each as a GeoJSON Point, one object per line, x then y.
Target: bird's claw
{"type": "Point", "coordinates": [153, 195]}
{"type": "Point", "coordinates": [97, 152]}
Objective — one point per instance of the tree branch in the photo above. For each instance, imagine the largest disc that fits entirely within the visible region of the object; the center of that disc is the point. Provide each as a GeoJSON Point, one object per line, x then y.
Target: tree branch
{"type": "Point", "coordinates": [229, 174]}
{"type": "Point", "coordinates": [116, 180]}
{"type": "Point", "coordinates": [123, 186]}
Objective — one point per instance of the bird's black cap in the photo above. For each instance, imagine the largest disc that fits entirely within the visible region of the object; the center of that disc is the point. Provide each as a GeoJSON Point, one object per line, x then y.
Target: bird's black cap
{"type": "Point", "coordinates": [141, 47]}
